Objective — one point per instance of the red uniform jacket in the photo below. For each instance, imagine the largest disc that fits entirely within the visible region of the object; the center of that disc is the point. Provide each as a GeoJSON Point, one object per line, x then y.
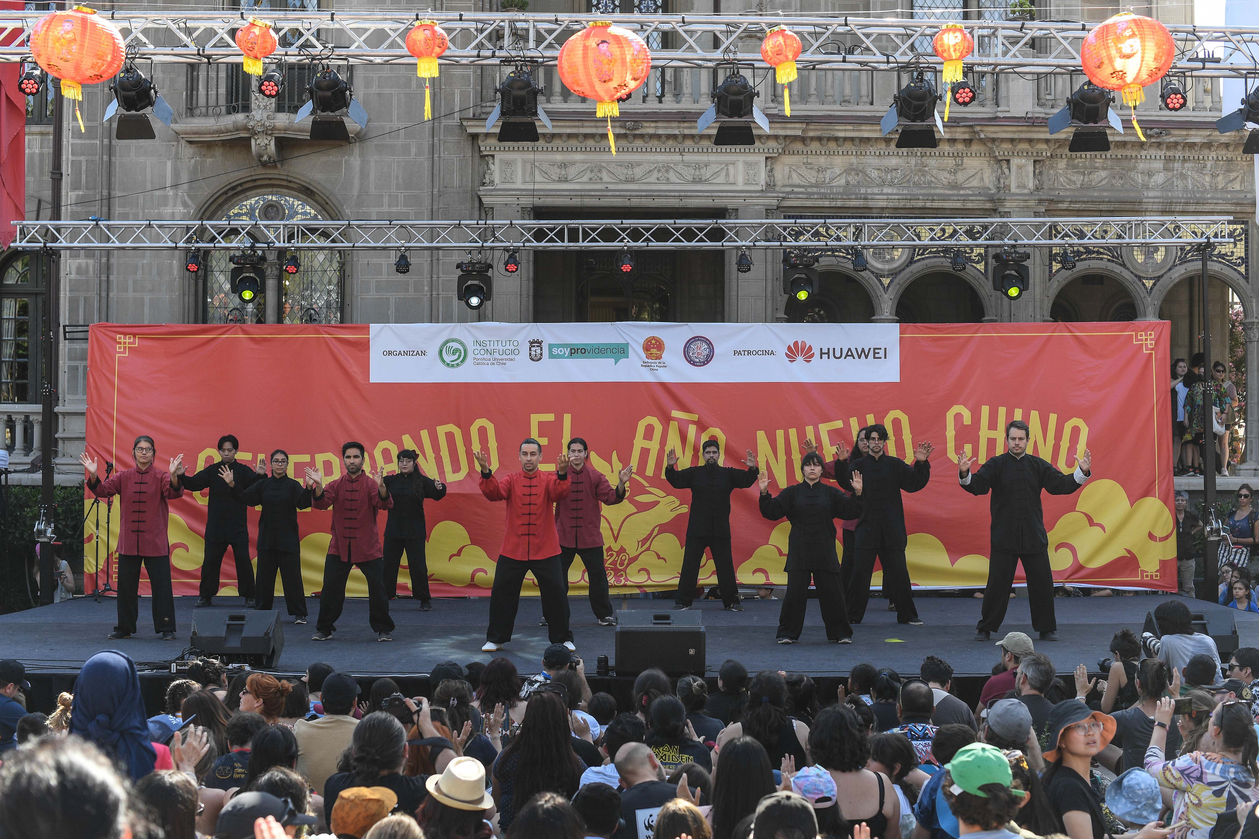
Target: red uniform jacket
{"type": "Point", "coordinates": [577, 517]}
{"type": "Point", "coordinates": [530, 531]}
{"type": "Point", "coordinates": [145, 514]}
{"type": "Point", "coordinates": [356, 501]}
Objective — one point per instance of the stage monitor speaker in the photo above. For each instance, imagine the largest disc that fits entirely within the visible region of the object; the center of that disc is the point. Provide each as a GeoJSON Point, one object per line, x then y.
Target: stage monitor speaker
{"type": "Point", "coordinates": [671, 641]}
{"type": "Point", "coordinates": [250, 637]}
{"type": "Point", "coordinates": [1220, 626]}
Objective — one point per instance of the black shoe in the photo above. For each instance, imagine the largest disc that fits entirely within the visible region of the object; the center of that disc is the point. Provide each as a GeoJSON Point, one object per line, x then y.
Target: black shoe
{"type": "Point", "coordinates": [542, 622]}
{"type": "Point", "coordinates": [250, 603]}
{"type": "Point", "coordinates": [426, 605]}
{"type": "Point", "coordinates": [320, 635]}
{"type": "Point", "coordinates": [914, 622]}
{"type": "Point", "coordinates": [983, 635]}
{"type": "Point", "coordinates": [168, 636]}
{"type": "Point", "coordinates": [119, 635]}
{"type": "Point", "coordinates": [1049, 636]}
{"type": "Point", "coordinates": [786, 640]}
{"type": "Point", "coordinates": [202, 602]}
{"type": "Point", "coordinates": [300, 620]}
{"type": "Point", "coordinates": [608, 621]}
{"type": "Point", "coordinates": [737, 607]}
{"type": "Point", "coordinates": [681, 607]}
{"type": "Point", "coordinates": [383, 636]}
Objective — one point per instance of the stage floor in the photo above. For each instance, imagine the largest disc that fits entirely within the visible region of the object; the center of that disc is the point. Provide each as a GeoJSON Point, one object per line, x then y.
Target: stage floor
{"type": "Point", "coordinates": [61, 637]}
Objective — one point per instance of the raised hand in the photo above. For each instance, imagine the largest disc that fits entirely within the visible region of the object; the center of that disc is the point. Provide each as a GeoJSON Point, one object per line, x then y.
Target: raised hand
{"type": "Point", "coordinates": [482, 460]}
{"type": "Point", "coordinates": [177, 465]}
{"type": "Point", "coordinates": [684, 793]}
{"type": "Point", "coordinates": [856, 481]}
{"type": "Point", "coordinates": [261, 468]}
{"type": "Point", "coordinates": [964, 463]}
{"type": "Point", "coordinates": [496, 721]}
{"type": "Point", "coordinates": [315, 476]}
{"type": "Point", "coordinates": [229, 478]}
{"type": "Point", "coordinates": [269, 828]}
{"type": "Point", "coordinates": [581, 727]}
{"type": "Point", "coordinates": [809, 446]}
{"type": "Point", "coordinates": [841, 693]}
{"type": "Point", "coordinates": [464, 735]}
{"type": "Point", "coordinates": [923, 450]}
{"type": "Point", "coordinates": [376, 475]}
{"type": "Point", "coordinates": [186, 751]}
{"type": "Point", "coordinates": [1174, 689]}
{"type": "Point", "coordinates": [561, 463]}
{"type": "Point", "coordinates": [1083, 685]}
{"type": "Point", "coordinates": [750, 460]}
{"type": "Point", "coordinates": [1085, 463]}
{"type": "Point", "coordinates": [841, 451]}
{"type": "Point", "coordinates": [763, 481]}
{"type": "Point", "coordinates": [787, 769]}
{"type": "Point", "coordinates": [861, 831]}
{"type": "Point", "coordinates": [89, 464]}
{"type": "Point", "coordinates": [626, 473]}
{"type": "Point", "coordinates": [671, 458]}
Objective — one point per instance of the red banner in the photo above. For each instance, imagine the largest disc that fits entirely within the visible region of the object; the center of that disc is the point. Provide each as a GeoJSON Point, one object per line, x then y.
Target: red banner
{"type": "Point", "coordinates": [306, 389]}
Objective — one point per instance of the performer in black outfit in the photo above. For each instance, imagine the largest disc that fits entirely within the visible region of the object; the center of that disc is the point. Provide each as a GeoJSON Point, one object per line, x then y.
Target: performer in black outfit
{"type": "Point", "coordinates": [709, 522]}
{"type": "Point", "coordinates": [1016, 479]}
{"type": "Point", "coordinates": [279, 543]}
{"type": "Point", "coordinates": [881, 531]}
{"type": "Point", "coordinates": [812, 508]}
{"type": "Point", "coordinates": [405, 529]}
{"type": "Point", "coordinates": [225, 523]}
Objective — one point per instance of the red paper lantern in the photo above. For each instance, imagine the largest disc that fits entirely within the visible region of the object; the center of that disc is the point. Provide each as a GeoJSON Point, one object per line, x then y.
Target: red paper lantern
{"type": "Point", "coordinates": [780, 49]}
{"type": "Point", "coordinates": [427, 42]}
{"type": "Point", "coordinates": [1126, 53]}
{"type": "Point", "coordinates": [78, 48]}
{"type": "Point", "coordinates": [256, 41]}
{"type": "Point", "coordinates": [951, 45]}
{"type": "Point", "coordinates": [605, 63]}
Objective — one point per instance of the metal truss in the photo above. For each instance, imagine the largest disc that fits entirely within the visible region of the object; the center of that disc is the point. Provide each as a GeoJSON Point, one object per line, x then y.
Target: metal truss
{"type": "Point", "coordinates": [676, 234]}
{"type": "Point", "coordinates": [834, 43]}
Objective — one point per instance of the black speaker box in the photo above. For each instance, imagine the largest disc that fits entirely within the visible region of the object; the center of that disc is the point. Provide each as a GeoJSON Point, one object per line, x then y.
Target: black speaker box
{"type": "Point", "coordinates": [1221, 627]}
{"type": "Point", "coordinates": [671, 641]}
{"type": "Point", "coordinates": [249, 637]}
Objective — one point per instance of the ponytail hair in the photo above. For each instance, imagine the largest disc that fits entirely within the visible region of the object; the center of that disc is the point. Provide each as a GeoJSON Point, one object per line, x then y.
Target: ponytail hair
{"type": "Point", "coordinates": [766, 712]}
{"type": "Point", "coordinates": [1153, 678]}
{"type": "Point", "coordinates": [1237, 730]}
{"type": "Point", "coordinates": [650, 685]}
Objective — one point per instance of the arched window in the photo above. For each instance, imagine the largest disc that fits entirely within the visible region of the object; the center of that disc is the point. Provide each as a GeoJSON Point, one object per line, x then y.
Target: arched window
{"type": "Point", "coordinates": [312, 295]}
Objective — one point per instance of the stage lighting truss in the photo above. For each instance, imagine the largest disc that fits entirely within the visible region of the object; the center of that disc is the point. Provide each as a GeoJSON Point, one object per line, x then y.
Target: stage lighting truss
{"type": "Point", "coordinates": [518, 107]}
{"type": "Point", "coordinates": [247, 278]}
{"type": "Point", "coordinates": [134, 93]}
{"type": "Point", "coordinates": [1247, 114]}
{"type": "Point", "coordinates": [1088, 108]}
{"type": "Point", "coordinates": [744, 262]}
{"type": "Point", "coordinates": [734, 104]}
{"type": "Point", "coordinates": [330, 94]}
{"type": "Point", "coordinates": [912, 108]}
{"type": "Point", "coordinates": [475, 284]}
{"type": "Point", "coordinates": [800, 280]}
{"type": "Point", "coordinates": [1010, 274]}
{"type": "Point", "coordinates": [511, 262]}
{"type": "Point", "coordinates": [31, 81]}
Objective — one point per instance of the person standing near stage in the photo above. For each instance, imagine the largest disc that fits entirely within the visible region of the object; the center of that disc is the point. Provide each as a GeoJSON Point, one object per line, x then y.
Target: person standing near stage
{"type": "Point", "coordinates": [881, 532]}
{"type": "Point", "coordinates": [1016, 479]}
{"type": "Point", "coordinates": [143, 491]}
{"type": "Point", "coordinates": [812, 507]}
{"type": "Point", "coordinates": [225, 524]}
{"type": "Point", "coordinates": [530, 543]}
{"type": "Point", "coordinates": [405, 529]}
{"type": "Point", "coordinates": [279, 543]}
{"type": "Point", "coordinates": [578, 518]}
{"type": "Point", "coordinates": [356, 498]}
{"type": "Point", "coordinates": [708, 525]}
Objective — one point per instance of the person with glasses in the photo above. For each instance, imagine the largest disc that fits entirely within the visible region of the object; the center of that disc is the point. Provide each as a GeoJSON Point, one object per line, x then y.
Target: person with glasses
{"type": "Point", "coordinates": [225, 522]}
{"type": "Point", "coordinates": [1242, 531]}
{"type": "Point", "coordinates": [1229, 391]}
{"type": "Point", "coordinates": [1243, 665]}
{"type": "Point", "coordinates": [142, 542]}
{"type": "Point", "coordinates": [405, 529]}
{"type": "Point", "coordinates": [1219, 777]}
{"type": "Point", "coordinates": [279, 542]}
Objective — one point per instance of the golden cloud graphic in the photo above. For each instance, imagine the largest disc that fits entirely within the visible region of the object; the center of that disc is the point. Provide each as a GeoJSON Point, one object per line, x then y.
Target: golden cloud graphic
{"type": "Point", "coordinates": [765, 565]}
{"type": "Point", "coordinates": [453, 559]}
{"type": "Point", "coordinates": [929, 564]}
{"type": "Point", "coordinates": [1104, 528]}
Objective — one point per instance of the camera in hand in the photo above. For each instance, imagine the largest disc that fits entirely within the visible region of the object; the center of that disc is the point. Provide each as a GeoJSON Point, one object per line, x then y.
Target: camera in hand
{"type": "Point", "coordinates": [1104, 664]}
{"type": "Point", "coordinates": [396, 704]}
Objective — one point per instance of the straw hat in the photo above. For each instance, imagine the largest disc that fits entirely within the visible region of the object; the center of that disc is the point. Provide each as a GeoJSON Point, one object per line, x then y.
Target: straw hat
{"type": "Point", "coordinates": [461, 786]}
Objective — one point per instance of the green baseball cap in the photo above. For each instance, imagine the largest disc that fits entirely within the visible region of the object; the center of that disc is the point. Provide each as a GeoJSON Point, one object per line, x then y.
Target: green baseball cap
{"type": "Point", "coordinates": [978, 765]}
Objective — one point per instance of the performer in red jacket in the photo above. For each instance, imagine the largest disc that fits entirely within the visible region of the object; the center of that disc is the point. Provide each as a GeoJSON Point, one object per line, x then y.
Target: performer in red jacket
{"type": "Point", "coordinates": [142, 537]}
{"type": "Point", "coordinates": [578, 518]}
{"type": "Point", "coordinates": [530, 543]}
{"type": "Point", "coordinates": [357, 498]}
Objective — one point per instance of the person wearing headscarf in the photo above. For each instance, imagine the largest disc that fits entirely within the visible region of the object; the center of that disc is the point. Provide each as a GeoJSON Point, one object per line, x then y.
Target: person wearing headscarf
{"type": "Point", "coordinates": [109, 711]}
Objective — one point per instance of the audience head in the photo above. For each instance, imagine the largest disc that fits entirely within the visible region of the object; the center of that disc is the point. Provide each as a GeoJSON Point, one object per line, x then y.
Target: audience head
{"type": "Point", "coordinates": [936, 671]}
{"type": "Point", "coordinates": [242, 727]}
{"type": "Point", "coordinates": [109, 711]}
{"type": "Point", "coordinates": [380, 691]}
{"type": "Point", "coordinates": [817, 787]}
{"type": "Point", "coordinates": [1036, 674]}
{"type": "Point", "coordinates": [1233, 729]}
{"type": "Point", "coordinates": [887, 686]}
{"type": "Point", "coordinates": [636, 763]}
{"type": "Point", "coordinates": [315, 676]}
{"type": "Point", "coordinates": [784, 815]}
{"type": "Point", "coordinates": [457, 802]}
{"type": "Point", "coordinates": [892, 754]}
{"type": "Point", "coordinates": [599, 806]}
{"type": "Point", "coordinates": [1153, 678]}
{"type": "Point", "coordinates": [397, 826]}
{"type": "Point", "coordinates": [287, 785]}
{"type": "Point", "coordinates": [209, 713]}
{"type": "Point", "coordinates": [171, 799]}
{"type": "Point", "coordinates": [500, 685]}
{"type": "Point", "coordinates": [677, 818]}
{"type": "Point", "coordinates": [649, 686]}
{"type": "Point", "coordinates": [264, 694]}
{"type": "Point", "coordinates": [950, 739]}
{"type": "Point", "coordinates": [865, 714]}
{"type": "Point", "coordinates": [916, 699]}
{"type": "Point", "coordinates": [547, 816]}
{"type": "Point", "coordinates": [624, 728]}
{"type": "Point", "coordinates": [31, 727]}
{"type": "Point", "coordinates": [1014, 646]}
{"type": "Point", "coordinates": [667, 718]}
{"type": "Point", "coordinates": [743, 777]}
{"type": "Point", "coordinates": [472, 672]}
{"type": "Point", "coordinates": [693, 691]}
{"type": "Point", "coordinates": [602, 706]}
{"type": "Point", "coordinates": [1200, 671]}
{"type": "Point", "coordinates": [1194, 724]}
{"type": "Point", "coordinates": [234, 689]}
{"type": "Point", "coordinates": [59, 720]}
{"type": "Point", "coordinates": [838, 740]}
{"type": "Point", "coordinates": [697, 777]}
{"type": "Point", "coordinates": [801, 696]}
{"type": "Point", "coordinates": [455, 697]}
{"type": "Point", "coordinates": [359, 809]}
{"type": "Point", "coordinates": [979, 787]}
{"type": "Point", "coordinates": [297, 703]}
{"type": "Point", "coordinates": [1008, 724]}
{"type": "Point", "coordinates": [274, 745]}
{"type": "Point", "coordinates": [1125, 645]}
{"type": "Point", "coordinates": [573, 685]}
{"type": "Point", "coordinates": [377, 746]}
{"type": "Point", "coordinates": [732, 678]}
{"type": "Point", "coordinates": [210, 673]}
{"type": "Point", "coordinates": [62, 787]}
{"type": "Point", "coordinates": [338, 693]}
{"type": "Point", "coordinates": [176, 692]}
{"type": "Point", "coordinates": [1076, 730]}
{"type": "Point", "coordinates": [1244, 664]}
{"type": "Point", "coordinates": [861, 680]}
{"type": "Point", "coordinates": [1173, 618]}
{"type": "Point", "coordinates": [766, 712]}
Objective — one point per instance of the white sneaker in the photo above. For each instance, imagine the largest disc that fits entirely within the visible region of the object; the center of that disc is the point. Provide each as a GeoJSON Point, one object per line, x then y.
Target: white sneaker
{"type": "Point", "coordinates": [571, 646]}
{"type": "Point", "coordinates": [491, 647]}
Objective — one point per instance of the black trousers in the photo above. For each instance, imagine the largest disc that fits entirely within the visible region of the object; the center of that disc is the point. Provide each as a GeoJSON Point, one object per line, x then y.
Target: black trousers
{"type": "Point", "coordinates": [847, 561]}
{"type": "Point", "coordinates": [509, 575]}
{"type": "Point", "coordinates": [830, 598]}
{"type": "Point", "coordinates": [290, 567]}
{"type": "Point", "coordinates": [895, 579]}
{"type": "Point", "coordinates": [592, 558]}
{"type": "Point", "coordinates": [129, 592]}
{"type": "Point", "coordinates": [213, 561]}
{"type": "Point", "coordinates": [332, 597]}
{"type": "Point", "coordinates": [722, 559]}
{"type": "Point", "coordinates": [1040, 589]}
{"type": "Point", "coordinates": [416, 562]}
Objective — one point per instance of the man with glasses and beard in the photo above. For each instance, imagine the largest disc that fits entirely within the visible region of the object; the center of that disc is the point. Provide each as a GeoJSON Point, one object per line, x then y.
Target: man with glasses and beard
{"type": "Point", "coordinates": [881, 532]}
{"type": "Point", "coordinates": [1017, 479]}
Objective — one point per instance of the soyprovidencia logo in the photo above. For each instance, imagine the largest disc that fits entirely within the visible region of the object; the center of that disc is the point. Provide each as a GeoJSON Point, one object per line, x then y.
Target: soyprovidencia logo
{"type": "Point", "coordinates": [799, 350]}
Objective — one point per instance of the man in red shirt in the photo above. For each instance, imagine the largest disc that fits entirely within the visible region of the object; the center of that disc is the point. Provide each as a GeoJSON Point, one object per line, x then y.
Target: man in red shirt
{"type": "Point", "coordinates": [578, 518]}
{"type": "Point", "coordinates": [142, 540]}
{"type": "Point", "coordinates": [357, 499]}
{"type": "Point", "coordinates": [530, 543]}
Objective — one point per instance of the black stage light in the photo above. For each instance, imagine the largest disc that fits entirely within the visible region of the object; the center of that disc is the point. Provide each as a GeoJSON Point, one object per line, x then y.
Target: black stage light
{"type": "Point", "coordinates": [744, 263]}
{"type": "Point", "coordinates": [292, 265]}
{"type": "Point", "coordinates": [859, 260]}
{"type": "Point", "coordinates": [1173, 95]}
{"type": "Point", "coordinates": [625, 262]}
{"type": "Point", "coordinates": [135, 93]}
{"type": "Point", "coordinates": [963, 93]}
{"type": "Point", "coordinates": [1010, 274]}
{"type": "Point", "coordinates": [799, 276]}
{"type": "Point", "coordinates": [329, 94]}
{"type": "Point", "coordinates": [914, 105]}
{"type": "Point", "coordinates": [271, 83]}
{"type": "Point", "coordinates": [512, 263]}
{"type": "Point", "coordinates": [474, 283]}
{"type": "Point", "coordinates": [1237, 120]}
{"type": "Point", "coordinates": [31, 82]}
{"type": "Point", "coordinates": [734, 103]}
{"type": "Point", "coordinates": [402, 265]}
{"type": "Point", "coordinates": [1089, 108]}
{"type": "Point", "coordinates": [958, 262]}
{"type": "Point", "coordinates": [247, 277]}
{"type": "Point", "coordinates": [518, 107]}
{"type": "Point", "coordinates": [1068, 261]}
{"type": "Point", "coordinates": [193, 263]}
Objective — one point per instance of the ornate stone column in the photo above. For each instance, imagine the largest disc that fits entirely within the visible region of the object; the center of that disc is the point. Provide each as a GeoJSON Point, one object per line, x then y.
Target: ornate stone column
{"type": "Point", "coordinates": [1250, 463]}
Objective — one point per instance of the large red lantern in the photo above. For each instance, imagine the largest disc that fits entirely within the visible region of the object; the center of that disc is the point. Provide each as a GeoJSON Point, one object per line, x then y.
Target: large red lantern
{"type": "Point", "coordinates": [78, 48]}
{"type": "Point", "coordinates": [256, 41]}
{"type": "Point", "coordinates": [1126, 53]}
{"type": "Point", "coordinates": [951, 45]}
{"type": "Point", "coordinates": [427, 42]}
{"type": "Point", "coordinates": [780, 49]}
{"type": "Point", "coordinates": [605, 63]}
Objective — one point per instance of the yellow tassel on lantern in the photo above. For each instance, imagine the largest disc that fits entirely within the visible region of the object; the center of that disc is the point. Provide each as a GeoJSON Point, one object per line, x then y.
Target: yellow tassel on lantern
{"type": "Point", "coordinates": [74, 90]}
{"type": "Point", "coordinates": [785, 73]}
{"type": "Point", "coordinates": [611, 139]}
{"type": "Point", "coordinates": [426, 68]}
{"type": "Point", "coordinates": [608, 109]}
{"type": "Point", "coordinates": [1134, 95]}
{"type": "Point", "coordinates": [428, 103]}
{"type": "Point", "coordinates": [252, 66]}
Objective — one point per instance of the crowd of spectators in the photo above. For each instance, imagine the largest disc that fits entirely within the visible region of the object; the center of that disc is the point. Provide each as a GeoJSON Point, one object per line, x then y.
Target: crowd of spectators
{"type": "Point", "coordinates": [1163, 744]}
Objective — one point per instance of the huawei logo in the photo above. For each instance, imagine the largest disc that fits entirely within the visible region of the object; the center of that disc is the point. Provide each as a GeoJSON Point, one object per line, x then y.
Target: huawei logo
{"type": "Point", "coordinates": [800, 350]}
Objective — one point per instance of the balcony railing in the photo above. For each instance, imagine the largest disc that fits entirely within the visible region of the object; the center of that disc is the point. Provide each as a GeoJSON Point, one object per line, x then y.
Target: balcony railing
{"type": "Point", "coordinates": [225, 89]}
{"type": "Point", "coordinates": [22, 424]}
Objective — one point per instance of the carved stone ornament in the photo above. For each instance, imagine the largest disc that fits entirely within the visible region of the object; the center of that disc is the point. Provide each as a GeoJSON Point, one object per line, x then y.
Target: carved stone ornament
{"type": "Point", "coordinates": [261, 123]}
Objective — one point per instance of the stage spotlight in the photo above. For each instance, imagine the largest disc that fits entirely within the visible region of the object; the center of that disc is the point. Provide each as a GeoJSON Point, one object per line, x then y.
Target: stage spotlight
{"type": "Point", "coordinates": [859, 260]}
{"type": "Point", "coordinates": [31, 82]}
{"type": "Point", "coordinates": [193, 263]}
{"type": "Point", "coordinates": [512, 263]}
{"type": "Point", "coordinates": [1237, 120]}
{"type": "Point", "coordinates": [474, 283]}
{"type": "Point", "coordinates": [271, 83]}
{"type": "Point", "coordinates": [744, 263]}
{"type": "Point", "coordinates": [329, 93]}
{"type": "Point", "coordinates": [518, 106]}
{"type": "Point", "coordinates": [133, 93]}
{"type": "Point", "coordinates": [914, 105]}
{"type": "Point", "coordinates": [1068, 261]}
{"type": "Point", "coordinates": [1010, 274]}
{"type": "Point", "coordinates": [733, 102]}
{"type": "Point", "coordinates": [963, 93]}
{"type": "Point", "coordinates": [958, 262]}
{"type": "Point", "coordinates": [1173, 95]}
{"type": "Point", "coordinates": [1088, 108]}
{"type": "Point", "coordinates": [292, 265]}
{"type": "Point", "coordinates": [247, 277]}
{"type": "Point", "coordinates": [625, 262]}
{"type": "Point", "coordinates": [402, 265]}
{"type": "Point", "coordinates": [799, 276]}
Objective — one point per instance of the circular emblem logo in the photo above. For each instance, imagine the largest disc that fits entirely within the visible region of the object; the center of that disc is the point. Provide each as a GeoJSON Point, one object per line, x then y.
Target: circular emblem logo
{"type": "Point", "coordinates": [698, 351]}
{"type": "Point", "coordinates": [653, 348]}
{"type": "Point", "coordinates": [453, 352]}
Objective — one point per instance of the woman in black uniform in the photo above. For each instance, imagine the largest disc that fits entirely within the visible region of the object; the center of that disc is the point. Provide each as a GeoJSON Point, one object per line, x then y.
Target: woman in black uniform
{"type": "Point", "coordinates": [405, 529]}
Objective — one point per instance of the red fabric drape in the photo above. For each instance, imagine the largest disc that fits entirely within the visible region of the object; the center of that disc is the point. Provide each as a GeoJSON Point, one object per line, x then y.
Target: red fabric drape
{"type": "Point", "coordinates": [12, 141]}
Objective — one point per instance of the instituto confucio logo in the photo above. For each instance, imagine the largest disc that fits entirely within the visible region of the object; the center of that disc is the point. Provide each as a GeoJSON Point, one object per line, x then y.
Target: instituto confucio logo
{"type": "Point", "coordinates": [698, 351]}
{"type": "Point", "coordinates": [535, 349]}
{"type": "Point", "coordinates": [653, 348]}
{"type": "Point", "coordinates": [799, 350]}
{"type": "Point", "coordinates": [453, 352]}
